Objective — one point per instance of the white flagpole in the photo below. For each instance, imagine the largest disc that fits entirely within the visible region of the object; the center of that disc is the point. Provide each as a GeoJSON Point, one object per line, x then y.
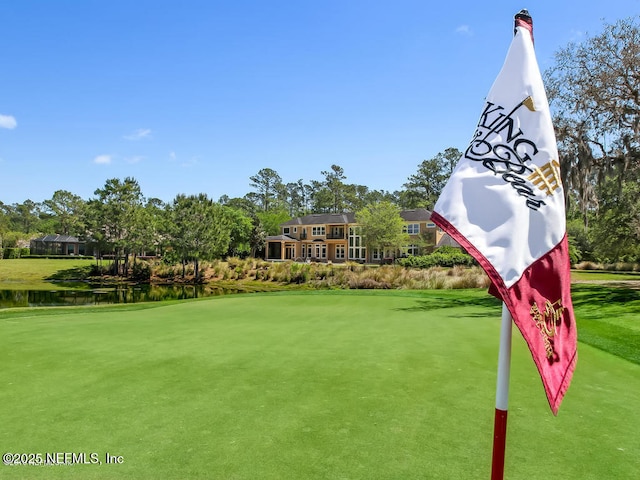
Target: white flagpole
{"type": "Point", "coordinates": [502, 397]}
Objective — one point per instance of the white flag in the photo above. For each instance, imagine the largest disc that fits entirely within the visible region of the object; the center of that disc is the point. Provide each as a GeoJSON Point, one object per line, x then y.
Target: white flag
{"type": "Point", "coordinates": [504, 203]}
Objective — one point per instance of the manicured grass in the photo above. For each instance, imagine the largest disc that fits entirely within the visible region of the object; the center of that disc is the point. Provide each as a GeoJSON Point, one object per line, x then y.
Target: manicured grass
{"type": "Point", "coordinates": [609, 319]}
{"type": "Point", "coordinates": [36, 273]}
{"type": "Point", "coordinates": [603, 276]}
{"type": "Point", "coordinates": [314, 385]}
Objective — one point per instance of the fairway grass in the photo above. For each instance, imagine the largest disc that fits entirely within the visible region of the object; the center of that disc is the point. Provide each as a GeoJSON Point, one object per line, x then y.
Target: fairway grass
{"type": "Point", "coordinates": [314, 385]}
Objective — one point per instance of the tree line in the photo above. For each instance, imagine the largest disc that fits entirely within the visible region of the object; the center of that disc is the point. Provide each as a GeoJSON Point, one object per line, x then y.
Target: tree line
{"type": "Point", "coordinates": [121, 222]}
{"type": "Point", "coordinates": [594, 93]}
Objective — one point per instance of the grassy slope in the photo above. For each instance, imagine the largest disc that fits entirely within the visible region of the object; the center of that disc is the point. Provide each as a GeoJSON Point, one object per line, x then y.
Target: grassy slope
{"type": "Point", "coordinates": [314, 385]}
{"type": "Point", "coordinates": [32, 274]}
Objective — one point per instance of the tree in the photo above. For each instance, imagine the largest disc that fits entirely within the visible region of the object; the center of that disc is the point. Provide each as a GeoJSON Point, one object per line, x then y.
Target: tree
{"type": "Point", "coordinates": [616, 231]}
{"type": "Point", "coordinates": [151, 225]}
{"type": "Point", "coordinates": [297, 198]}
{"type": "Point", "coordinates": [359, 196]}
{"type": "Point", "coordinates": [272, 219]}
{"type": "Point", "coordinates": [321, 197]}
{"type": "Point", "coordinates": [381, 227]}
{"type": "Point", "coordinates": [240, 235]}
{"type": "Point", "coordinates": [68, 212]}
{"type": "Point", "coordinates": [333, 181]}
{"type": "Point", "coordinates": [114, 219]}
{"type": "Point", "coordinates": [423, 188]}
{"type": "Point", "coordinates": [257, 235]}
{"type": "Point", "coordinates": [267, 183]}
{"type": "Point", "coordinates": [4, 220]}
{"type": "Point", "coordinates": [200, 229]}
{"type": "Point", "coordinates": [23, 217]}
{"type": "Point", "coordinates": [594, 92]}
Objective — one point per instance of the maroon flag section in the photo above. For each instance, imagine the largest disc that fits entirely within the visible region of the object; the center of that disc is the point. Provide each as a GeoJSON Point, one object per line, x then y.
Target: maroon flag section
{"type": "Point", "coordinates": [540, 304]}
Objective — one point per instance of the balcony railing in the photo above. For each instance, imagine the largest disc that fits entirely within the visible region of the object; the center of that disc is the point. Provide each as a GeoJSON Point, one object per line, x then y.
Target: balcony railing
{"type": "Point", "coordinates": [336, 236]}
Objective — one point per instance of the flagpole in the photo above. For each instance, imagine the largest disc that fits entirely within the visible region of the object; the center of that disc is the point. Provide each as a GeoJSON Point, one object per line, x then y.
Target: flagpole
{"type": "Point", "coordinates": [502, 397]}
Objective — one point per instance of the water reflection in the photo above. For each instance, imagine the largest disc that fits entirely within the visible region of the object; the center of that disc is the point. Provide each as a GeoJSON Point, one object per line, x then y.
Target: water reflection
{"type": "Point", "coordinates": [101, 295]}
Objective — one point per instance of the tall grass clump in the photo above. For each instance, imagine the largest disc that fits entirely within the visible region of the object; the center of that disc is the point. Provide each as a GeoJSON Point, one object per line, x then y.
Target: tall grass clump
{"type": "Point", "coordinates": [459, 277]}
{"type": "Point", "coordinates": [589, 266]}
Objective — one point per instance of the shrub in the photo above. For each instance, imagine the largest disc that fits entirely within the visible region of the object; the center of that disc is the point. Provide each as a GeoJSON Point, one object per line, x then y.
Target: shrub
{"type": "Point", "coordinates": [99, 270]}
{"type": "Point", "coordinates": [60, 257]}
{"type": "Point", "coordinates": [11, 252]}
{"type": "Point", "coordinates": [234, 262]}
{"type": "Point", "coordinates": [441, 257]}
{"type": "Point", "coordinates": [141, 271]}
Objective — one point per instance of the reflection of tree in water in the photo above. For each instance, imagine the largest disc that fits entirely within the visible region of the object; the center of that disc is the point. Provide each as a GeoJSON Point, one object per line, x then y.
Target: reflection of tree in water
{"type": "Point", "coordinates": [14, 298]}
{"type": "Point", "coordinates": [122, 294]}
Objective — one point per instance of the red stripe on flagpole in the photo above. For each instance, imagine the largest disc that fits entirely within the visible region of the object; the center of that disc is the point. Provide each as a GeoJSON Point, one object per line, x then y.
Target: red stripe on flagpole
{"type": "Point", "coordinates": [499, 444]}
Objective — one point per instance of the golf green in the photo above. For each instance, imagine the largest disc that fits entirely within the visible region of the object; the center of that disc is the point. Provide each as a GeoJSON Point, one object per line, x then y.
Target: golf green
{"type": "Point", "coordinates": [317, 385]}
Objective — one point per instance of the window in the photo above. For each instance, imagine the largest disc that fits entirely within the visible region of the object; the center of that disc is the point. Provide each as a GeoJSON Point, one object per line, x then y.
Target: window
{"type": "Point", "coordinates": [357, 251]}
{"type": "Point", "coordinates": [321, 250]}
{"type": "Point", "coordinates": [412, 228]}
{"type": "Point", "coordinates": [412, 249]}
{"type": "Point", "coordinates": [431, 225]}
{"type": "Point", "coordinates": [307, 251]}
{"type": "Point", "coordinates": [340, 250]}
{"type": "Point", "coordinates": [285, 230]}
{"type": "Point", "coordinates": [318, 231]}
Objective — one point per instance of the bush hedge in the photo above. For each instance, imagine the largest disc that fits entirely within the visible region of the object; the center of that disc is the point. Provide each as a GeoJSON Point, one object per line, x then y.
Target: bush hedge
{"type": "Point", "coordinates": [441, 257]}
{"type": "Point", "coordinates": [14, 252]}
{"type": "Point", "coordinates": [58, 257]}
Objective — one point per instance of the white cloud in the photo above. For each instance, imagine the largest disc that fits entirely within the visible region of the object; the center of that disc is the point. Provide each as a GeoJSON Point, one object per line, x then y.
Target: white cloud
{"type": "Point", "coordinates": [576, 35]}
{"type": "Point", "coordinates": [135, 159]}
{"type": "Point", "coordinates": [464, 30]}
{"type": "Point", "coordinates": [139, 134]}
{"type": "Point", "coordinates": [189, 162]}
{"type": "Point", "coordinates": [7, 121]}
{"type": "Point", "coordinates": [102, 160]}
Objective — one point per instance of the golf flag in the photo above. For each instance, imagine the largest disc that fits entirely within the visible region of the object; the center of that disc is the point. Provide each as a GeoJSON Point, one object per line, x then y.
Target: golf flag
{"type": "Point", "coordinates": [504, 203]}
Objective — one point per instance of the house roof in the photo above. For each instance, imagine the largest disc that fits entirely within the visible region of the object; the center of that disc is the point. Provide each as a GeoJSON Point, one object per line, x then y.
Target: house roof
{"type": "Point", "coordinates": [448, 241]}
{"type": "Point", "coordinates": [58, 238]}
{"type": "Point", "coordinates": [322, 219]}
{"type": "Point", "coordinates": [281, 238]}
{"type": "Point", "coordinates": [414, 215]}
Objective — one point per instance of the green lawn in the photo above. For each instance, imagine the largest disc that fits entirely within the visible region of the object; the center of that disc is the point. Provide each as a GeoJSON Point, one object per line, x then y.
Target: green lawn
{"type": "Point", "coordinates": [35, 274]}
{"type": "Point", "coordinates": [603, 276]}
{"type": "Point", "coordinates": [316, 385]}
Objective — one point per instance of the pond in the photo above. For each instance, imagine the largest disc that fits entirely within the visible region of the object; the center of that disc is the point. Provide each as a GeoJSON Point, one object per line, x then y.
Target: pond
{"type": "Point", "coordinates": [98, 295]}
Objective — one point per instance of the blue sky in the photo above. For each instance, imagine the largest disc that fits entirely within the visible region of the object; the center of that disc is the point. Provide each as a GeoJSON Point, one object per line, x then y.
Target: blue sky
{"type": "Point", "coordinates": [197, 96]}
